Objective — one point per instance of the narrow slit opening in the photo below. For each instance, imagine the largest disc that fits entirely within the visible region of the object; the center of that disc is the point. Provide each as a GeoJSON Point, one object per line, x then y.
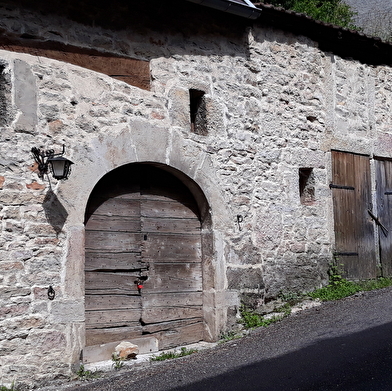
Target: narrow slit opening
{"type": "Point", "coordinates": [306, 186]}
{"type": "Point", "coordinates": [198, 114]}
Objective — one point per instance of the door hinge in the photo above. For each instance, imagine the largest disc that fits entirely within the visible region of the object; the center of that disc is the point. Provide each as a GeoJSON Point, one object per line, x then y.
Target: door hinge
{"type": "Point", "coordinates": [332, 186]}
{"type": "Point", "coordinates": [347, 254]}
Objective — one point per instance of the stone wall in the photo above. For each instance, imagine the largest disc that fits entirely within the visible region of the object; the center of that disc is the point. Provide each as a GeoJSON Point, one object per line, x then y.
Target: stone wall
{"type": "Point", "coordinates": [275, 105]}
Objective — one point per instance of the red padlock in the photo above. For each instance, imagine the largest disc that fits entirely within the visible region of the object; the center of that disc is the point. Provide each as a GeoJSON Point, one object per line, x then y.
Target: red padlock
{"type": "Point", "coordinates": [139, 286]}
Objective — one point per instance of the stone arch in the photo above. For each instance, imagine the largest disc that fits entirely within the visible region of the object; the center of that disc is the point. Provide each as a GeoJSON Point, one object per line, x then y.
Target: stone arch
{"type": "Point", "coordinates": [137, 143]}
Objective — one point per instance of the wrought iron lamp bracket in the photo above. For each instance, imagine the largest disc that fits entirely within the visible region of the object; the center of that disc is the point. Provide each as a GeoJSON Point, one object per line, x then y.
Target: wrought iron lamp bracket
{"type": "Point", "coordinates": [46, 159]}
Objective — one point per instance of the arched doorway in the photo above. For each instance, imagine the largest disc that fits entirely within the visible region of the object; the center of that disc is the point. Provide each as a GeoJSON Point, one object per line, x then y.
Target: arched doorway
{"type": "Point", "coordinates": [143, 268]}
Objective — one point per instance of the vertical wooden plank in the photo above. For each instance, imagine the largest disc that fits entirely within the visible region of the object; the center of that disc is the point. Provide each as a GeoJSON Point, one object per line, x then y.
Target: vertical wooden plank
{"type": "Point", "coordinates": [387, 258]}
{"type": "Point", "coordinates": [367, 267]}
{"type": "Point", "coordinates": [384, 213]}
{"type": "Point", "coordinates": [344, 219]}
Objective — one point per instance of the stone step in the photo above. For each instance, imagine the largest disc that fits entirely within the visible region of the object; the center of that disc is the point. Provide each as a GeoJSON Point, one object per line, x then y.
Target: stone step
{"type": "Point", "coordinates": [104, 352]}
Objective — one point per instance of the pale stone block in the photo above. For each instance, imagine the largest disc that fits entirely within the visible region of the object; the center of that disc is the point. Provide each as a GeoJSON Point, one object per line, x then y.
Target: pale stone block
{"type": "Point", "coordinates": [25, 95]}
{"type": "Point", "coordinates": [184, 154]}
{"type": "Point", "coordinates": [46, 341]}
{"type": "Point", "coordinates": [179, 107]}
{"type": "Point", "coordinates": [150, 142]}
{"type": "Point", "coordinates": [66, 311]}
{"type": "Point", "coordinates": [74, 268]}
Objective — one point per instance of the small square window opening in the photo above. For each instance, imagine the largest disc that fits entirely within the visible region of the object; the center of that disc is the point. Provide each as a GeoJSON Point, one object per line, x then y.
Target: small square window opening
{"type": "Point", "coordinates": [306, 186]}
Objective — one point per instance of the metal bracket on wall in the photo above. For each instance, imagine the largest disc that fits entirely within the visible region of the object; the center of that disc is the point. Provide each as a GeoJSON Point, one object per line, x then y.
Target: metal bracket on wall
{"type": "Point", "coordinates": [240, 219]}
{"type": "Point", "coordinates": [51, 293]}
{"type": "Point", "coordinates": [347, 254]}
{"type": "Point", "coordinates": [332, 186]}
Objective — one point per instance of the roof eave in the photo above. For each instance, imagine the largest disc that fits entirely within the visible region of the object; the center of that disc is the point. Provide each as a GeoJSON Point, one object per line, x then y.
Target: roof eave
{"type": "Point", "coordinates": [247, 11]}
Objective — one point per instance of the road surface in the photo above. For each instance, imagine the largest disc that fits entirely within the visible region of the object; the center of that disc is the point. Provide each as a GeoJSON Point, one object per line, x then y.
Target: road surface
{"type": "Point", "coordinates": [343, 345]}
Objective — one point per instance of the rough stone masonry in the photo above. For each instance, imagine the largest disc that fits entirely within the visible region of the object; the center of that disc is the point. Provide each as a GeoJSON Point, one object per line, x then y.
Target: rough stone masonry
{"type": "Point", "coordinates": [275, 105]}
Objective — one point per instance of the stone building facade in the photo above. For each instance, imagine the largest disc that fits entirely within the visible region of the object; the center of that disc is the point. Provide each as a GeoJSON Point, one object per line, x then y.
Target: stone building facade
{"type": "Point", "coordinates": [248, 114]}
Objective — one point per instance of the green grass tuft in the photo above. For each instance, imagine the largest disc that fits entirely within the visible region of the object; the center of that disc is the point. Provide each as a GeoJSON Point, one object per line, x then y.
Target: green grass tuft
{"type": "Point", "coordinates": [4, 388]}
{"type": "Point", "coordinates": [170, 355]}
{"type": "Point", "coordinates": [343, 288]}
{"type": "Point", "coordinates": [231, 335]}
{"type": "Point", "coordinates": [117, 363]}
{"type": "Point", "coordinates": [251, 320]}
{"type": "Point", "coordinates": [84, 374]}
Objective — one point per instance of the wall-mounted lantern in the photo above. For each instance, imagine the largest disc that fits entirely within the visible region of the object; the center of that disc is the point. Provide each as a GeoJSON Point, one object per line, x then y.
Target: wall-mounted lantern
{"type": "Point", "coordinates": [55, 162]}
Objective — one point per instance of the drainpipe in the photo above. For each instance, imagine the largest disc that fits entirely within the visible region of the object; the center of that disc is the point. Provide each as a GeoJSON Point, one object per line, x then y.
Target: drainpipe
{"type": "Point", "coordinates": [233, 7]}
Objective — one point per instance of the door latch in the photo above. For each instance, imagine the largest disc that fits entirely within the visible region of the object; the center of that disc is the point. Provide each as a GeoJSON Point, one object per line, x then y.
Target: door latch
{"type": "Point", "coordinates": [139, 283]}
{"type": "Point", "coordinates": [378, 222]}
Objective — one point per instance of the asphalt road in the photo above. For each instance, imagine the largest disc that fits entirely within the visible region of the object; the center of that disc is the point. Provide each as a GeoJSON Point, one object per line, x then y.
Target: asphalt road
{"type": "Point", "coordinates": [343, 345]}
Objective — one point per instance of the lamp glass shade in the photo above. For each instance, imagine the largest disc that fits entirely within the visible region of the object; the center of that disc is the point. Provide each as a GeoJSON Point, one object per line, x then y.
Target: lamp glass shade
{"type": "Point", "coordinates": [60, 167]}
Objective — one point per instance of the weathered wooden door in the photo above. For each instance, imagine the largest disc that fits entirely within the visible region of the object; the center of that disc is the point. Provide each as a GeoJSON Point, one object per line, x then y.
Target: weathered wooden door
{"type": "Point", "coordinates": [384, 210]}
{"type": "Point", "coordinates": [354, 230]}
{"type": "Point", "coordinates": [143, 272]}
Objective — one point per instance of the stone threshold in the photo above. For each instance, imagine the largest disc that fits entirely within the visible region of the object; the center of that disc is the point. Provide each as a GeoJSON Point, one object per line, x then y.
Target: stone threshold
{"type": "Point", "coordinates": [107, 365]}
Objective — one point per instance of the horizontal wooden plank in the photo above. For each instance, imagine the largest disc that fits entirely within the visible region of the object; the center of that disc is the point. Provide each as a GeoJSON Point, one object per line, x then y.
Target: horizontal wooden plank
{"type": "Point", "coordinates": [170, 225]}
{"type": "Point", "coordinates": [112, 318]}
{"type": "Point", "coordinates": [165, 195]}
{"type": "Point", "coordinates": [181, 336]}
{"type": "Point", "coordinates": [113, 291]}
{"type": "Point", "coordinates": [177, 336]}
{"type": "Point", "coordinates": [118, 206]}
{"type": "Point", "coordinates": [97, 336]}
{"type": "Point", "coordinates": [108, 302]}
{"type": "Point", "coordinates": [113, 241]}
{"type": "Point", "coordinates": [113, 261]}
{"type": "Point", "coordinates": [169, 326]}
{"type": "Point", "coordinates": [169, 248]}
{"type": "Point", "coordinates": [177, 299]}
{"type": "Point", "coordinates": [171, 277]}
{"type": "Point", "coordinates": [164, 314]}
{"type": "Point", "coordinates": [102, 282]}
{"type": "Point", "coordinates": [132, 71]}
{"type": "Point", "coordinates": [168, 208]}
{"type": "Point", "coordinates": [114, 223]}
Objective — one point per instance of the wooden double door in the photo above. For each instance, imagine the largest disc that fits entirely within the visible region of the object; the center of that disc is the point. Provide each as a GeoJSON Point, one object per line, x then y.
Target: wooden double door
{"type": "Point", "coordinates": [143, 267]}
{"type": "Point", "coordinates": [355, 216]}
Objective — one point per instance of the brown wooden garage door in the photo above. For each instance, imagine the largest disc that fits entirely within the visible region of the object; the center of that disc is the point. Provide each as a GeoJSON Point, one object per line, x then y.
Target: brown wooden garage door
{"type": "Point", "coordinates": [143, 228]}
{"type": "Point", "coordinates": [354, 230]}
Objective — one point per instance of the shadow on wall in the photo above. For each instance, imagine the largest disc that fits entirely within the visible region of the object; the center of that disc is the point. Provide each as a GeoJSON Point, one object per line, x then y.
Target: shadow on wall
{"type": "Point", "coordinates": [167, 18]}
{"type": "Point", "coordinates": [54, 211]}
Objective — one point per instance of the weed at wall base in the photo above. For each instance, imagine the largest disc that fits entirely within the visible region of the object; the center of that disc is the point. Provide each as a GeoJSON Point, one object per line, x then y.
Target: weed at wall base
{"type": "Point", "coordinates": [117, 363]}
{"type": "Point", "coordinates": [84, 374]}
{"type": "Point", "coordinates": [251, 320]}
{"type": "Point", "coordinates": [4, 388]}
{"type": "Point", "coordinates": [343, 288]}
{"type": "Point", "coordinates": [170, 355]}
{"type": "Point", "coordinates": [230, 336]}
